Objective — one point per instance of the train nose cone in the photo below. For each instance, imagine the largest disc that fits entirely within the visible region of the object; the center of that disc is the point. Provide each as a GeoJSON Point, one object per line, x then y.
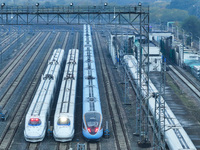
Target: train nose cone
{"type": "Point", "coordinates": [65, 131]}
{"type": "Point", "coordinates": [33, 132]}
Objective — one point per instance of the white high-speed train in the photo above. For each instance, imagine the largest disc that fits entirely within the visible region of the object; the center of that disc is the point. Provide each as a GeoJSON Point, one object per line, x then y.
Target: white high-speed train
{"type": "Point", "coordinates": [175, 135]}
{"type": "Point", "coordinates": [39, 111]}
{"type": "Point", "coordinates": [65, 109]}
{"type": "Point", "coordinates": [92, 115]}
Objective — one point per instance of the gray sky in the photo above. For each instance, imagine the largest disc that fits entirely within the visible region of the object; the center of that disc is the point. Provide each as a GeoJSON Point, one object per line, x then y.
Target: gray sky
{"type": "Point", "coordinates": [76, 2]}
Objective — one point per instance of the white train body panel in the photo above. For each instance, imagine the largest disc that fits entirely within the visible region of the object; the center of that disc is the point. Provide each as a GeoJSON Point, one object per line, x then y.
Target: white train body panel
{"type": "Point", "coordinates": [175, 135]}
{"type": "Point", "coordinates": [39, 111]}
{"type": "Point", "coordinates": [92, 115]}
{"type": "Point", "coordinates": [65, 109]}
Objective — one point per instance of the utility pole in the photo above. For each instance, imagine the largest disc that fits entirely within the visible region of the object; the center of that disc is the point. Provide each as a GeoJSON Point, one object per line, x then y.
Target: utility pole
{"type": "Point", "coordinates": [159, 112]}
{"type": "Point", "coordinates": [143, 114]}
{"type": "Point", "coordinates": [182, 54]}
{"type": "Point", "coordinates": [199, 45]}
{"type": "Point", "coordinates": [191, 39]}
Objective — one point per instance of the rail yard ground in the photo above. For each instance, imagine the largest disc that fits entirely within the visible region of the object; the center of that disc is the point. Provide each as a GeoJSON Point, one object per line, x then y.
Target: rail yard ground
{"type": "Point", "coordinates": [20, 83]}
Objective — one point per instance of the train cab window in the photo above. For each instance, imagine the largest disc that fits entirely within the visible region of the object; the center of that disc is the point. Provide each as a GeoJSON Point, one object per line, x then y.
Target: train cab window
{"type": "Point", "coordinates": [92, 119]}
{"type": "Point", "coordinates": [63, 121]}
{"type": "Point", "coordinates": [34, 122]}
{"type": "Point", "coordinates": [92, 122]}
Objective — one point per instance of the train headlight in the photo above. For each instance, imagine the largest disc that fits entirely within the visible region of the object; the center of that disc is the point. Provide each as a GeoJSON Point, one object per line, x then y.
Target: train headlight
{"type": "Point", "coordinates": [89, 130]}
{"type": "Point", "coordinates": [63, 121]}
{"type": "Point", "coordinates": [96, 130]}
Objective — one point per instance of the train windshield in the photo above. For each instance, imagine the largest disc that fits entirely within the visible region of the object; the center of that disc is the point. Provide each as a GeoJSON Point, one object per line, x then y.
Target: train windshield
{"type": "Point", "coordinates": [34, 122]}
{"type": "Point", "coordinates": [63, 121]}
{"type": "Point", "coordinates": [93, 122]}
{"type": "Point", "coordinates": [92, 119]}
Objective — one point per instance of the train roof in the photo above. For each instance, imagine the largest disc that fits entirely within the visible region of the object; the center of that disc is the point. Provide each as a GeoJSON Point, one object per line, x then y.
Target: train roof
{"type": "Point", "coordinates": [67, 93]}
{"type": "Point", "coordinates": [91, 97]}
{"type": "Point", "coordinates": [43, 94]}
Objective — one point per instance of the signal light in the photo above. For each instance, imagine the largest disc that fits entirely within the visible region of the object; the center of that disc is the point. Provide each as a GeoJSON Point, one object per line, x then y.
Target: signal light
{"type": "Point", "coordinates": [96, 130]}
{"type": "Point", "coordinates": [32, 119]}
{"type": "Point", "coordinates": [89, 130]}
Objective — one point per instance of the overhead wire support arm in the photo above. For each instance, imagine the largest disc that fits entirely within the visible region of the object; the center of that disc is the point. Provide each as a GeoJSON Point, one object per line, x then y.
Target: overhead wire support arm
{"type": "Point", "coordinates": [71, 15]}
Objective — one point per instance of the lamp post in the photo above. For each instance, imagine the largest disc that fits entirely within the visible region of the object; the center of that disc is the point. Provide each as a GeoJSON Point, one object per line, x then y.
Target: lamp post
{"type": "Point", "coordinates": [160, 25]}
{"type": "Point", "coordinates": [71, 5]}
{"type": "Point", "coordinates": [105, 5]}
{"type": "Point", "coordinates": [37, 5]}
{"type": "Point", "coordinates": [114, 13]}
{"type": "Point", "coordinates": [191, 39]}
{"type": "Point", "coordinates": [2, 5]}
{"type": "Point", "coordinates": [199, 43]}
{"type": "Point", "coordinates": [183, 38]}
{"type": "Point", "coordinates": [182, 53]}
{"type": "Point", "coordinates": [177, 32]}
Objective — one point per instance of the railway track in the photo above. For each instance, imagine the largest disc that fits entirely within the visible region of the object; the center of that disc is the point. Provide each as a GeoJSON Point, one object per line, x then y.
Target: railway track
{"type": "Point", "coordinates": [120, 134]}
{"type": "Point", "coordinates": [66, 146]}
{"type": "Point", "coordinates": [4, 41]}
{"type": "Point", "coordinates": [93, 146]}
{"type": "Point", "coordinates": [22, 106]}
{"type": "Point", "coordinates": [60, 146]}
{"type": "Point", "coordinates": [17, 59]}
{"type": "Point", "coordinates": [63, 146]}
{"type": "Point", "coordinates": [2, 35]}
{"type": "Point", "coordinates": [10, 44]}
{"type": "Point", "coordinates": [32, 146]}
{"type": "Point", "coordinates": [186, 80]}
{"type": "Point", "coordinates": [13, 121]}
{"type": "Point", "coordinates": [16, 82]}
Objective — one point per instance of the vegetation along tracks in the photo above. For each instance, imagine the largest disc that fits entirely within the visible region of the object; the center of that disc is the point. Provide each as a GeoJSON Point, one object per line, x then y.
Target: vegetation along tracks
{"type": "Point", "coordinates": [186, 80]}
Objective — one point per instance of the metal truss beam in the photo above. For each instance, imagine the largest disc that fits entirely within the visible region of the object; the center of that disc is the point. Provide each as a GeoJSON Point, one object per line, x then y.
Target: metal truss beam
{"type": "Point", "coordinates": [72, 15]}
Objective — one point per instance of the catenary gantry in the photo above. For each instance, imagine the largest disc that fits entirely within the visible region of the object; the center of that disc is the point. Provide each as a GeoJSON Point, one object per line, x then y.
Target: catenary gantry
{"type": "Point", "coordinates": [135, 16]}
{"type": "Point", "coordinates": [129, 15]}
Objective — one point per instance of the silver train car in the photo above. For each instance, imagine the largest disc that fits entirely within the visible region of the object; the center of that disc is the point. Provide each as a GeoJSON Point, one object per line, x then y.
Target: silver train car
{"type": "Point", "coordinates": [92, 114]}
{"type": "Point", "coordinates": [65, 109]}
{"type": "Point", "coordinates": [39, 111]}
{"type": "Point", "coordinates": [175, 135]}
